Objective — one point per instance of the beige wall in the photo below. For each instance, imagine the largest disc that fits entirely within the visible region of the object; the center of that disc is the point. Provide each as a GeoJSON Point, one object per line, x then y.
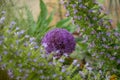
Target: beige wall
{"type": "Point", "coordinates": [34, 7]}
{"type": "Point", "coordinates": [51, 4]}
{"type": "Point", "coordinates": [114, 10]}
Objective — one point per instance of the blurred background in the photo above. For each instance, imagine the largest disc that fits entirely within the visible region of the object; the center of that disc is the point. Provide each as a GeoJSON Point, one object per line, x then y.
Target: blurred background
{"type": "Point", "coordinates": [110, 6]}
{"type": "Point", "coordinates": [51, 5]}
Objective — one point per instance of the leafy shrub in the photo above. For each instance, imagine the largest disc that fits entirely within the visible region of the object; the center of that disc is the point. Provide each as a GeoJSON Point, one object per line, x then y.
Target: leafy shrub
{"type": "Point", "coordinates": [39, 28]}
{"type": "Point", "coordinates": [24, 58]}
{"type": "Point", "coordinates": [102, 42]}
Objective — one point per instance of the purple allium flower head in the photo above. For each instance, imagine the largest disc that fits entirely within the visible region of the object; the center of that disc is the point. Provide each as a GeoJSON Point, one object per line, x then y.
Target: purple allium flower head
{"type": "Point", "coordinates": [59, 40]}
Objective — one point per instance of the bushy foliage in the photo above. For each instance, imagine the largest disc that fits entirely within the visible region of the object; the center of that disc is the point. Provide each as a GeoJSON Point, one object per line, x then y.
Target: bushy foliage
{"type": "Point", "coordinates": [95, 27]}
{"type": "Point", "coordinates": [24, 58]}
{"type": "Point", "coordinates": [38, 29]}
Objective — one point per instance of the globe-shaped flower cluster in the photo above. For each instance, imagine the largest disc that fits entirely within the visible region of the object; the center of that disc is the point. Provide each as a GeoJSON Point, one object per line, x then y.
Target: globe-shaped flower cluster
{"type": "Point", "coordinates": [59, 40]}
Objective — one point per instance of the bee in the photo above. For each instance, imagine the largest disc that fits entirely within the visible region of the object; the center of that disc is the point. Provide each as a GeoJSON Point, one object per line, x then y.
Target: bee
{"type": "Point", "coordinates": [69, 61]}
{"type": "Point", "coordinates": [82, 63]}
{"type": "Point", "coordinates": [113, 77]}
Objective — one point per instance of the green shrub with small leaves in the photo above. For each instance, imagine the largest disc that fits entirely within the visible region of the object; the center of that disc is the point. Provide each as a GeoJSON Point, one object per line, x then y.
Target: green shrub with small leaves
{"type": "Point", "coordinates": [38, 29]}
{"type": "Point", "coordinates": [22, 57]}
{"type": "Point", "coordinates": [102, 42]}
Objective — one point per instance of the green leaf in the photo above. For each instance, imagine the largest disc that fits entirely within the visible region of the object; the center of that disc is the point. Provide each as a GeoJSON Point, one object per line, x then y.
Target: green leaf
{"type": "Point", "coordinates": [43, 12]}
{"type": "Point", "coordinates": [42, 18]}
{"type": "Point", "coordinates": [50, 18]}
{"type": "Point", "coordinates": [66, 23]}
{"type": "Point", "coordinates": [30, 20]}
{"type": "Point", "coordinates": [63, 23]}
